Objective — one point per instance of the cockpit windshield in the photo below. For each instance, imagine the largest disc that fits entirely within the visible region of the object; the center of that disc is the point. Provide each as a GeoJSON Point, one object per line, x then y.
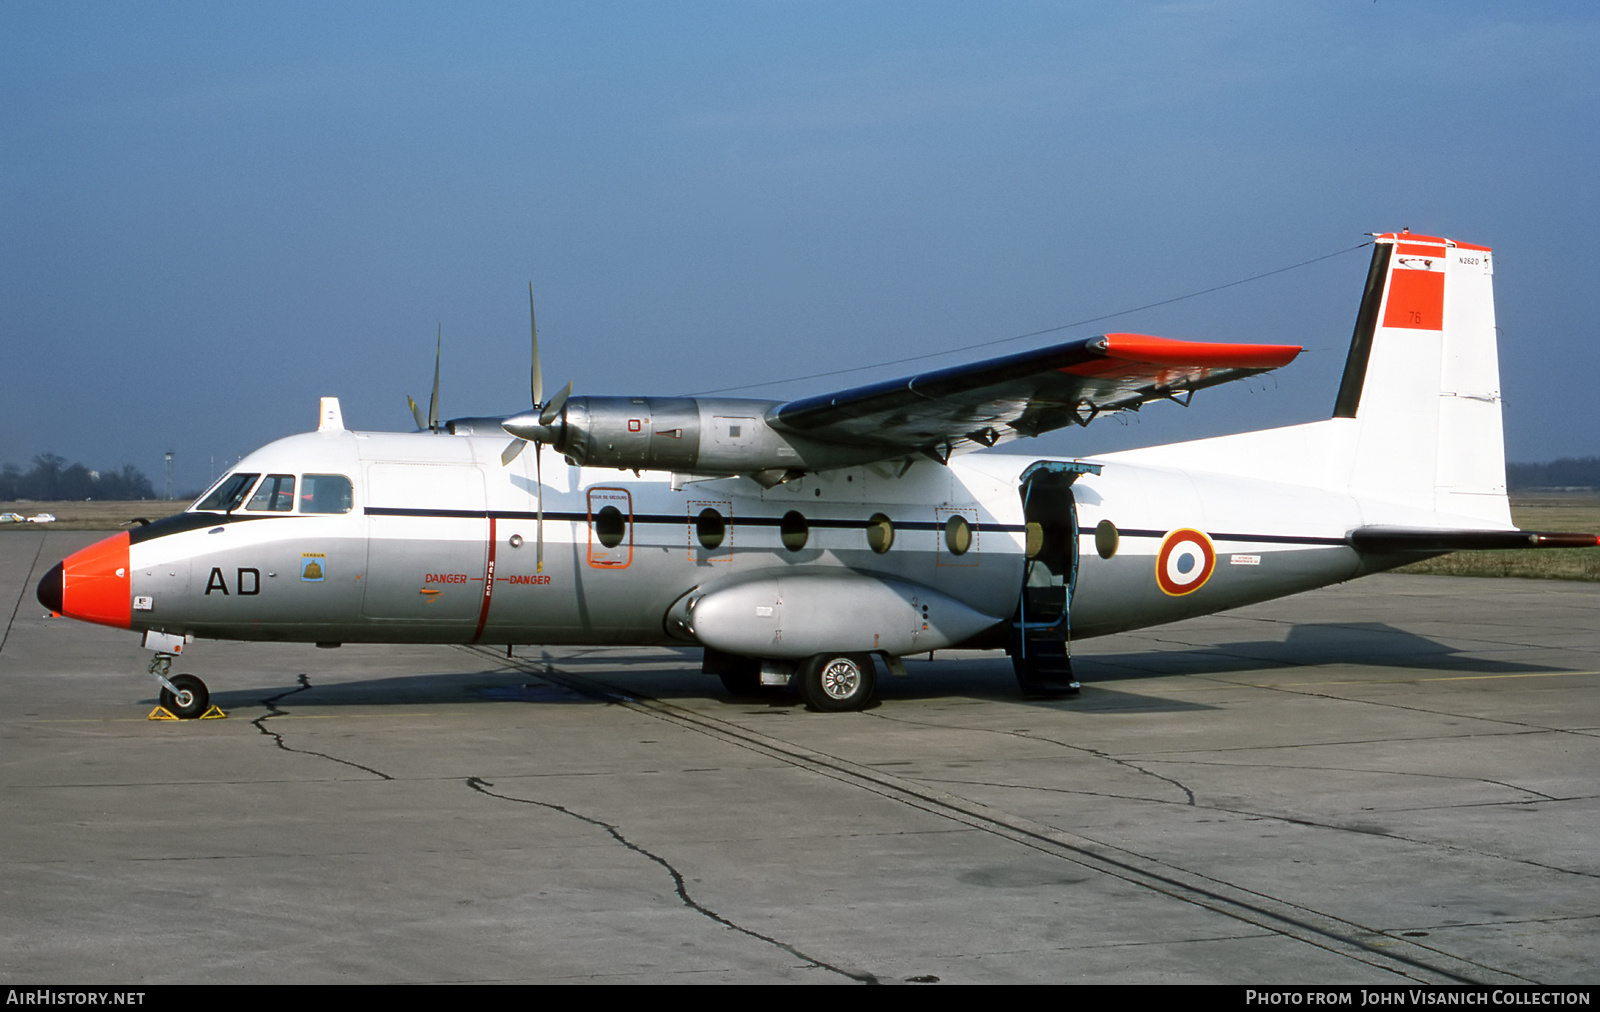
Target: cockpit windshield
{"type": "Point", "coordinates": [318, 493]}
{"type": "Point", "coordinates": [275, 495]}
{"type": "Point", "coordinates": [228, 493]}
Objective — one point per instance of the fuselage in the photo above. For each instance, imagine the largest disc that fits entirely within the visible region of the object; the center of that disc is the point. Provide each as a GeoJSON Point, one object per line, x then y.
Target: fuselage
{"type": "Point", "coordinates": [340, 536]}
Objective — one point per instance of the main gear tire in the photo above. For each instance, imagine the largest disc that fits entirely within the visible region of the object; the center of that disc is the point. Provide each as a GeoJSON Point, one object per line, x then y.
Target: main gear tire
{"type": "Point", "coordinates": [837, 683]}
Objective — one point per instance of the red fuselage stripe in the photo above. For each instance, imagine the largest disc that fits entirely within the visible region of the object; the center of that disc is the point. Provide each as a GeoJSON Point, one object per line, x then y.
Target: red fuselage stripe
{"type": "Point", "coordinates": [488, 584]}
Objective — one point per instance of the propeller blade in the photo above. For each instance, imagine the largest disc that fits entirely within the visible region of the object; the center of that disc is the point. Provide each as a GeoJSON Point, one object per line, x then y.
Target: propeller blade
{"type": "Point", "coordinates": [536, 375]}
{"type": "Point", "coordinates": [550, 412]}
{"type": "Point", "coordinates": [512, 451]}
{"type": "Point", "coordinates": [416, 413]}
{"type": "Point", "coordinates": [433, 402]}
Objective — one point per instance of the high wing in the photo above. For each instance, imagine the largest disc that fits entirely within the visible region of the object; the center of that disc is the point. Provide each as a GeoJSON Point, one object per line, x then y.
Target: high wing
{"type": "Point", "coordinates": [969, 406]}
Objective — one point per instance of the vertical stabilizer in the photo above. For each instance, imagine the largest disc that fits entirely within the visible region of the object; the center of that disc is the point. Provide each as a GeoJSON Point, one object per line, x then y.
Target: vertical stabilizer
{"type": "Point", "coordinates": [1422, 380]}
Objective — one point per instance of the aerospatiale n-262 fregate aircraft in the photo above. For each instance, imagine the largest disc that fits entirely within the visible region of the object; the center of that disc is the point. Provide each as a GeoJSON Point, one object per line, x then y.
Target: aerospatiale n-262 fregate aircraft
{"type": "Point", "coordinates": [812, 541]}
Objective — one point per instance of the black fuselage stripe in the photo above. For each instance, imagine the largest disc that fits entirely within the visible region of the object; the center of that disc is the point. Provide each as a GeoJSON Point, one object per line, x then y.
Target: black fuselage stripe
{"type": "Point", "coordinates": [670, 519]}
{"type": "Point", "coordinates": [193, 521]}
{"type": "Point", "coordinates": [674, 520]}
{"type": "Point", "coordinates": [1267, 539]}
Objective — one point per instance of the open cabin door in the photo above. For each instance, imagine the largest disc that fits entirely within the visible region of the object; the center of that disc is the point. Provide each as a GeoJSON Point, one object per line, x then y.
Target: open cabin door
{"type": "Point", "coordinates": [1041, 630]}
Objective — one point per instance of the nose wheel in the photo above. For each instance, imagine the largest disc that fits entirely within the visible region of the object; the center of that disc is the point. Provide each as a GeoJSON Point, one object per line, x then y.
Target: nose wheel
{"type": "Point", "coordinates": [187, 699]}
{"type": "Point", "coordinates": [182, 696]}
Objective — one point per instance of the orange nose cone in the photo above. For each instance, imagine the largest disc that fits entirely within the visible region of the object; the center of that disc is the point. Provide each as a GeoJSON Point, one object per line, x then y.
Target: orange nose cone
{"type": "Point", "coordinates": [96, 585]}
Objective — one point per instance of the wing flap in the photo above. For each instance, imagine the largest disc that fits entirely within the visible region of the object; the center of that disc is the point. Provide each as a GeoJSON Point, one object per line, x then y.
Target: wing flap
{"type": "Point", "coordinates": [984, 403]}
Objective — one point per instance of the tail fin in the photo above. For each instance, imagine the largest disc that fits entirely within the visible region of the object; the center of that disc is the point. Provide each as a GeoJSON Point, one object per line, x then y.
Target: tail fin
{"type": "Point", "coordinates": [1415, 430]}
{"type": "Point", "coordinates": [1422, 380]}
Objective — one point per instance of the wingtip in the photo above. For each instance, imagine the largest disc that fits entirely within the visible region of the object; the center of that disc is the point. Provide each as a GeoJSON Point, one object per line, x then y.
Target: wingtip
{"type": "Point", "coordinates": [1153, 350]}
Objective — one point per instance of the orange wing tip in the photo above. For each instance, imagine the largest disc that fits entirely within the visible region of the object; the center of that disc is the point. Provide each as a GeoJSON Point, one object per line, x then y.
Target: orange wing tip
{"type": "Point", "coordinates": [1165, 351]}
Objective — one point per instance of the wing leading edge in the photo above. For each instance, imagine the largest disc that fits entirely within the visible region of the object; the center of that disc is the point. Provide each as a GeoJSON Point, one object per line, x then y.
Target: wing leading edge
{"type": "Point", "coordinates": [970, 406]}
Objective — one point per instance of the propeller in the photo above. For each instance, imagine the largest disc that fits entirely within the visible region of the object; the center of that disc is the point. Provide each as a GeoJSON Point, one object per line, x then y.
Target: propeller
{"type": "Point", "coordinates": [547, 412]}
{"type": "Point", "coordinates": [432, 423]}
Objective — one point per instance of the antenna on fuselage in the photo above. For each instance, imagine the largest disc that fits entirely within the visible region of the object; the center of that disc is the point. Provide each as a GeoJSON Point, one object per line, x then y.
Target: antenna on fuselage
{"type": "Point", "coordinates": [330, 418]}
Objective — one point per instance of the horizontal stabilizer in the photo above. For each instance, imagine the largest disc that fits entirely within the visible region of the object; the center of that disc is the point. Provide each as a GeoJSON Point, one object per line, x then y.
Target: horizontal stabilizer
{"type": "Point", "coordinates": [1417, 539]}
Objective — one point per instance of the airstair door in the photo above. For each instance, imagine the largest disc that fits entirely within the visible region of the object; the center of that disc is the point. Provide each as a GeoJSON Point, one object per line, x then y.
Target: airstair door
{"type": "Point", "coordinates": [1041, 629]}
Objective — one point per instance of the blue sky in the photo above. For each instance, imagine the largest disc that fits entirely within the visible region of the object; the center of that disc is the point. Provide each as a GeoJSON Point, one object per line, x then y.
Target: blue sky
{"type": "Point", "coordinates": [213, 214]}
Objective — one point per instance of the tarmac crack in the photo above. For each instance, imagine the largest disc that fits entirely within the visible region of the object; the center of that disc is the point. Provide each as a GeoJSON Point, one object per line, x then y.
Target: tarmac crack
{"type": "Point", "coordinates": [1404, 957]}
{"type": "Point", "coordinates": [678, 884]}
{"type": "Point", "coordinates": [1444, 845]}
{"type": "Point", "coordinates": [23, 593]}
{"type": "Point", "coordinates": [273, 710]}
{"type": "Point", "coordinates": [1028, 736]}
{"type": "Point", "coordinates": [1523, 726]}
{"type": "Point", "coordinates": [1537, 795]}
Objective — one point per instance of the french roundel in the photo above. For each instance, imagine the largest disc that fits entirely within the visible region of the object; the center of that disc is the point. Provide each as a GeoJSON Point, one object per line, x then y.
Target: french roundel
{"type": "Point", "coordinates": [1185, 562]}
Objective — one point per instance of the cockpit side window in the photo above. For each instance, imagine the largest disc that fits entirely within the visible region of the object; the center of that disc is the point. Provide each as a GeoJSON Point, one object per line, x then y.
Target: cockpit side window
{"type": "Point", "coordinates": [275, 494]}
{"type": "Point", "coordinates": [229, 493]}
{"type": "Point", "coordinates": [326, 493]}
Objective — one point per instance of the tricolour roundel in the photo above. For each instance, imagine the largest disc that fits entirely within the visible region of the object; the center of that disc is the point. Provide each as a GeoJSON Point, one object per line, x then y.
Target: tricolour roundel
{"type": "Point", "coordinates": [1185, 562]}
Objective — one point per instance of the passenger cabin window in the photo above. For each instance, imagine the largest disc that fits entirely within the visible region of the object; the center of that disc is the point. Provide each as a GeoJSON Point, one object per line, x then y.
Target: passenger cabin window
{"type": "Point", "coordinates": [326, 493]}
{"type": "Point", "coordinates": [710, 528]}
{"type": "Point", "coordinates": [275, 494]}
{"type": "Point", "coordinates": [880, 533]}
{"type": "Point", "coordinates": [228, 493]}
{"type": "Point", "coordinates": [610, 527]}
{"type": "Point", "coordinates": [958, 534]}
{"type": "Point", "coordinates": [793, 530]}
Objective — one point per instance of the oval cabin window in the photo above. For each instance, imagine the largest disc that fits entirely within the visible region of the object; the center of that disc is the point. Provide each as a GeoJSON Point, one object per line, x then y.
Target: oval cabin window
{"type": "Point", "coordinates": [710, 528]}
{"type": "Point", "coordinates": [794, 530]}
{"type": "Point", "coordinates": [609, 526]}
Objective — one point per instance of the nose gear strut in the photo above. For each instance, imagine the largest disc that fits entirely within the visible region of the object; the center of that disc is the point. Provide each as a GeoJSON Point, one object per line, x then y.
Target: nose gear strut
{"type": "Point", "coordinates": [183, 697]}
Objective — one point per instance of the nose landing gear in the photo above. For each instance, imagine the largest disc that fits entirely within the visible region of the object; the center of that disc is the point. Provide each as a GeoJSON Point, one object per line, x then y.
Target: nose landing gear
{"type": "Point", "coordinates": [183, 697]}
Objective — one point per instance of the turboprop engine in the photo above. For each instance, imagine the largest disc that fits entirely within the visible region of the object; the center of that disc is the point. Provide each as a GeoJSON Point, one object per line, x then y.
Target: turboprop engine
{"type": "Point", "coordinates": [722, 436]}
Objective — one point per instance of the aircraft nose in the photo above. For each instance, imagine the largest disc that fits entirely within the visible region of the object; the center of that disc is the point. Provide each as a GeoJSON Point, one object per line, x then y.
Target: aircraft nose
{"type": "Point", "coordinates": [50, 589]}
{"type": "Point", "coordinates": [93, 585]}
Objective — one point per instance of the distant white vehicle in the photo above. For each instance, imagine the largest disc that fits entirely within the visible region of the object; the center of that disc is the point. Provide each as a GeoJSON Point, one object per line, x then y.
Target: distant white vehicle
{"type": "Point", "coordinates": [12, 518]}
{"type": "Point", "coordinates": [42, 518]}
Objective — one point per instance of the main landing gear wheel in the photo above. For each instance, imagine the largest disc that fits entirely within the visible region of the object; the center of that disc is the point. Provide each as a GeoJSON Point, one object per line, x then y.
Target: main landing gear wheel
{"type": "Point", "coordinates": [836, 683]}
{"type": "Point", "coordinates": [190, 701]}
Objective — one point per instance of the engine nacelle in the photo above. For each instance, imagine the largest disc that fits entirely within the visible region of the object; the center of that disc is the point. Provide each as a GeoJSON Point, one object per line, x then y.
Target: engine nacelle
{"type": "Point", "coordinates": [684, 434]}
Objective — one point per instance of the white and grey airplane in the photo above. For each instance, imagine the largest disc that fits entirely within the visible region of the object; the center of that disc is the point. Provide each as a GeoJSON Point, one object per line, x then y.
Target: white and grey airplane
{"type": "Point", "coordinates": [810, 542]}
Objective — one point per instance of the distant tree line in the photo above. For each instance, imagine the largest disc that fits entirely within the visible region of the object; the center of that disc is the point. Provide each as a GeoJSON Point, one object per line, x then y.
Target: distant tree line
{"type": "Point", "coordinates": [51, 477]}
{"type": "Point", "coordinates": [1568, 472]}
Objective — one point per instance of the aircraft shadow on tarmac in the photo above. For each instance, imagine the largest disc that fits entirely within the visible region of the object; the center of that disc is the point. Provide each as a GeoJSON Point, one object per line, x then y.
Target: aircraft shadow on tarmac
{"type": "Point", "coordinates": [610, 676]}
{"type": "Point", "coordinates": [1360, 644]}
